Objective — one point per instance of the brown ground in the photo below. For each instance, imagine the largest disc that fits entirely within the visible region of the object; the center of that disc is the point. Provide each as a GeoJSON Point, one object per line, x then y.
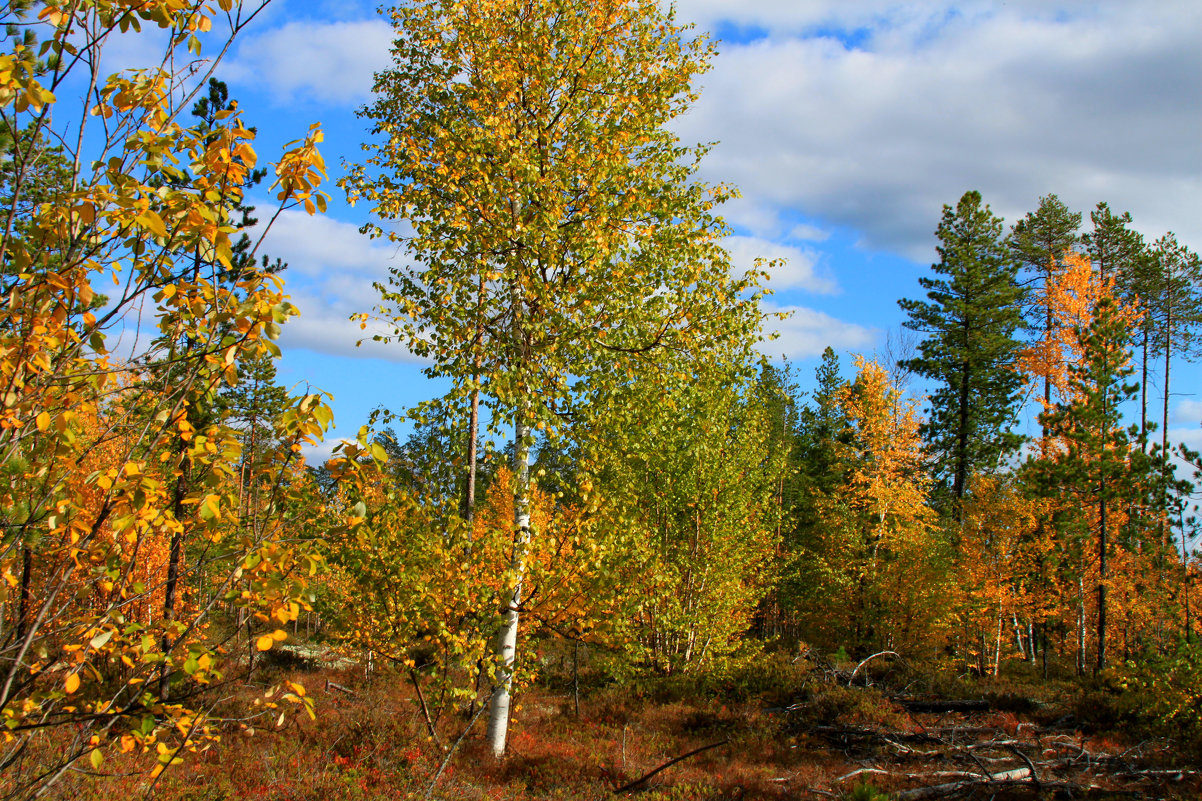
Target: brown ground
{"type": "Point", "coordinates": [814, 739]}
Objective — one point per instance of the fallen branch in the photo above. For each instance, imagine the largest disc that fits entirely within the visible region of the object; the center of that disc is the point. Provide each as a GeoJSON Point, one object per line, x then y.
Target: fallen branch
{"type": "Point", "coordinates": [331, 685]}
{"type": "Point", "coordinates": [943, 705]}
{"type": "Point", "coordinates": [861, 772]}
{"type": "Point", "coordinates": [632, 785]}
{"type": "Point", "coordinates": [1006, 777]}
{"type": "Point", "coordinates": [447, 759]}
{"type": "Point", "coordinates": [866, 661]}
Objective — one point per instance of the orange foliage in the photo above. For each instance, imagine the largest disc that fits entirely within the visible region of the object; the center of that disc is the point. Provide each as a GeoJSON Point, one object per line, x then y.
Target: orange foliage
{"type": "Point", "coordinates": [559, 560]}
{"type": "Point", "coordinates": [1071, 296]}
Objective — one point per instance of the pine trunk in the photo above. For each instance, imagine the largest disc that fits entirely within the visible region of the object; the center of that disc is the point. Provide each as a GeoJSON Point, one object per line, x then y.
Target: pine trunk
{"type": "Point", "coordinates": [1103, 574]}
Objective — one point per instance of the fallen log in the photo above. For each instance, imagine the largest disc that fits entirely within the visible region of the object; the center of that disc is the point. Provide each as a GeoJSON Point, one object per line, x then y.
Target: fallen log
{"type": "Point", "coordinates": [940, 705]}
{"type": "Point", "coordinates": [332, 685]}
{"type": "Point", "coordinates": [1018, 775]}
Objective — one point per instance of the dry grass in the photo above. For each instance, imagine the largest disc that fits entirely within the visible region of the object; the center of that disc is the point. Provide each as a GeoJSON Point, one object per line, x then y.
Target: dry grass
{"type": "Point", "coordinates": [372, 744]}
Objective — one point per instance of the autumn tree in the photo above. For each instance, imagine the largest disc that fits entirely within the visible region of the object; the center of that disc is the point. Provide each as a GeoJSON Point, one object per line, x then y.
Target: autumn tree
{"type": "Point", "coordinates": [970, 319]}
{"type": "Point", "coordinates": [558, 235]}
{"type": "Point", "coordinates": [90, 439]}
{"type": "Point", "coordinates": [686, 481]}
{"type": "Point", "coordinates": [1096, 461]}
{"type": "Point", "coordinates": [998, 557]}
{"type": "Point", "coordinates": [878, 566]}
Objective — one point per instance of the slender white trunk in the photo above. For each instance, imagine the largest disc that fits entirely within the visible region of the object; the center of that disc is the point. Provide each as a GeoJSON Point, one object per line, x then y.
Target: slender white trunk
{"type": "Point", "coordinates": [507, 635]}
{"type": "Point", "coordinates": [997, 643]}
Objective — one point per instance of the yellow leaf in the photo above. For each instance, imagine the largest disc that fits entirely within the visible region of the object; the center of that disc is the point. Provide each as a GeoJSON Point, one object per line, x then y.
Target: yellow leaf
{"type": "Point", "coordinates": [72, 683]}
{"type": "Point", "coordinates": [43, 421]}
{"type": "Point", "coordinates": [264, 643]}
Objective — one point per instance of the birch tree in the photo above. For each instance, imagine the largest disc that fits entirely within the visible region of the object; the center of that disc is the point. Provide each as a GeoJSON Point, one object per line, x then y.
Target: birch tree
{"type": "Point", "coordinates": [555, 233]}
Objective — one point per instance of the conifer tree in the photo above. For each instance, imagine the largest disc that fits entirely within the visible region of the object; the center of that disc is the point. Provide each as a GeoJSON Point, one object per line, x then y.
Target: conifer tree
{"type": "Point", "coordinates": [970, 320]}
{"type": "Point", "coordinates": [1097, 464]}
{"type": "Point", "coordinates": [1175, 308]}
{"type": "Point", "coordinates": [1119, 253]}
{"type": "Point", "coordinates": [1038, 244]}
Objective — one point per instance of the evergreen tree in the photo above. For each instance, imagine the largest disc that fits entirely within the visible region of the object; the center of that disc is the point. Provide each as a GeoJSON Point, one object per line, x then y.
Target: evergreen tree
{"type": "Point", "coordinates": [1119, 253]}
{"type": "Point", "coordinates": [820, 425]}
{"type": "Point", "coordinates": [970, 320]}
{"type": "Point", "coordinates": [1038, 244]}
{"type": "Point", "coordinates": [1096, 463]}
{"type": "Point", "coordinates": [253, 407]}
{"type": "Point", "coordinates": [1174, 306]}
{"type": "Point", "coordinates": [814, 471]}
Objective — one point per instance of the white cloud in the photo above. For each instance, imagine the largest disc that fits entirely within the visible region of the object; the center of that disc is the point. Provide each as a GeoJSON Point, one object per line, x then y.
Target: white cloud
{"type": "Point", "coordinates": [796, 272]}
{"type": "Point", "coordinates": [326, 327]}
{"type": "Point", "coordinates": [807, 332]}
{"type": "Point", "coordinates": [332, 62]}
{"type": "Point", "coordinates": [876, 130]}
{"type": "Point", "coordinates": [1189, 412]}
{"type": "Point", "coordinates": [808, 233]}
{"type": "Point", "coordinates": [318, 245]}
{"type": "Point", "coordinates": [330, 275]}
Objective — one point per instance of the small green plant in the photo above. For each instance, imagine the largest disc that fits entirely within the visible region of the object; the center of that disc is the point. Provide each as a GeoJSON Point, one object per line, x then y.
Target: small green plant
{"type": "Point", "coordinates": [865, 791]}
{"type": "Point", "coordinates": [1162, 691]}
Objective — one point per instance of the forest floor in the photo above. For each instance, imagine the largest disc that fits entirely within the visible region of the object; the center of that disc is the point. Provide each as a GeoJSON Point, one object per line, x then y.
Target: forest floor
{"type": "Point", "coordinates": [816, 739]}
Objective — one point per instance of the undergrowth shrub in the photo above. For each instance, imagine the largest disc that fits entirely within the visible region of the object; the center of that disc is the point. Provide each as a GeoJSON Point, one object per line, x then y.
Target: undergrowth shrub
{"type": "Point", "coordinates": [1162, 692]}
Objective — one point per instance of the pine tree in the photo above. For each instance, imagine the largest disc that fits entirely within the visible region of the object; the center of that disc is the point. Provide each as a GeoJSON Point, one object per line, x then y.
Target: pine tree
{"type": "Point", "coordinates": [1097, 464]}
{"type": "Point", "coordinates": [1175, 308]}
{"type": "Point", "coordinates": [253, 407]}
{"type": "Point", "coordinates": [1038, 243]}
{"type": "Point", "coordinates": [1119, 253]}
{"type": "Point", "coordinates": [970, 320]}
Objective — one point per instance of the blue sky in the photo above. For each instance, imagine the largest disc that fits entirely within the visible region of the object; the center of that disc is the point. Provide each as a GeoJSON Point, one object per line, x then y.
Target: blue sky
{"type": "Point", "coordinates": [846, 125]}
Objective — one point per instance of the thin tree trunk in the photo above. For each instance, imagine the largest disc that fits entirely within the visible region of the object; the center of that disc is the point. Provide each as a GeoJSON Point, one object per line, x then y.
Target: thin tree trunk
{"type": "Point", "coordinates": [1143, 392]}
{"type": "Point", "coordinates": [997, 647]}
{"type": "Point", "coordinates": [961, 476]}
{"type": "Point", "coordinates": [1081, 622]}
{"type": "Point", "coordinates": [1164, 440]}
{"type": "Point", "coordinates": [174, 558]}
{"type": "Point", "coordinates": [507, 634]}
{"type": "Point", "coordinates": [1185, 582]}
{"type": "Point", "coordinates": [26, 590]}
{"type": "Point", "coordinates": [473, 425]}
{"type": "Point", "coordinates": [1102, 576]}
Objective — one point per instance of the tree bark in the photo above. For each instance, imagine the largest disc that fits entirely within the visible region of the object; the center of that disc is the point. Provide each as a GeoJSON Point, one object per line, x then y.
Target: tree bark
{"type": "Point", "coordinates": [1102, 576]}
{"type": "Point", "coordinates": [507, 635]}
{"type": "Point", "coordinates": [468, 512]}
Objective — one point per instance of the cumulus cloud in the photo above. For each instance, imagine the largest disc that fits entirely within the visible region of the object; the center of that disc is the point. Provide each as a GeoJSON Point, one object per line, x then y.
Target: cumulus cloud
{"type": "Point", "coordinates": [318, 245]}
{"type": "Point", "coordinates": [326, 326]}
{"type": "Point", "coordinates": [331, 62]}
{"type": "Point", "coordinates": [805, 333]}
{"type": "Point", "coordinates": [1188, 412]}
{"type": "Point", "coordinates": [875, 127]}
{"type": "Point", "coordinates": [797, 269]}
{"type": "Point", "coordinates": [330, 275]}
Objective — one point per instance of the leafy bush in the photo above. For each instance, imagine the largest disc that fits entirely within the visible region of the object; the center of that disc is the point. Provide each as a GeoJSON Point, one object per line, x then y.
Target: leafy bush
{"type": "Point", "coordinates": [1163, 691]}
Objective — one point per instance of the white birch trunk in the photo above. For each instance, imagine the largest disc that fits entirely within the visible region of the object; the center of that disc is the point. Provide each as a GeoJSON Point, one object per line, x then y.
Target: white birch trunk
{"type": "Point", "coordinates": [507, 635]}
